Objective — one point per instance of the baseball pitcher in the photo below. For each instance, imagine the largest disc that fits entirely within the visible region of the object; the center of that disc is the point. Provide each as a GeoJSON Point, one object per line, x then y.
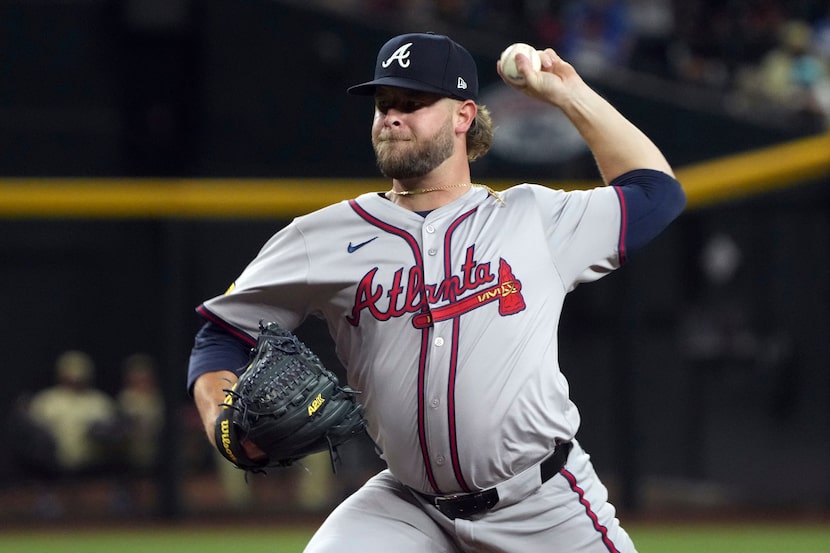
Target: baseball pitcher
{"type": "Point", "coordinates": [443, 299]}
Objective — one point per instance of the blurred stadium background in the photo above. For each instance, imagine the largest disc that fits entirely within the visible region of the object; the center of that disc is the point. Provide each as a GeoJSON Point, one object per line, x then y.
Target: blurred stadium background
{"type": "Point", "coordinates": [149, 147]}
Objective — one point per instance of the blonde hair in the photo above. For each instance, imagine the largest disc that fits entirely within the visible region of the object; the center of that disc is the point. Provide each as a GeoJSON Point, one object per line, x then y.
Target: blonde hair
{"type": "Point", "coordinates": [480, 134]}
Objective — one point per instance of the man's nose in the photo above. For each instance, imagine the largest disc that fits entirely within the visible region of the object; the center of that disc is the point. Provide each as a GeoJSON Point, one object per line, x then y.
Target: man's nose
{"type": "Point", "coordinates": [392, 117]}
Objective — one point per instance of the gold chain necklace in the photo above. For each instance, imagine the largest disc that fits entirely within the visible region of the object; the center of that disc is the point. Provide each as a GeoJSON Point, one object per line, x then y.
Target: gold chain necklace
{"type": "Point", "coordinates": [489, 190]}
{"type": "Point", "coordinates": [425, 190]}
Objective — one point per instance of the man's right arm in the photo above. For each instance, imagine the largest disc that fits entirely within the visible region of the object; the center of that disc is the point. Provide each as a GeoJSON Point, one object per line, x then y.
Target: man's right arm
{"type": "Point", "coordinates": [208, 394]}
{"type": "Point", "coordinates": [215, 357]}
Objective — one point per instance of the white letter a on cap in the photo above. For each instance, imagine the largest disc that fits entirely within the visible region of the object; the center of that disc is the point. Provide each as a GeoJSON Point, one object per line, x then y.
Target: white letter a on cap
{"type": "Point", "coordinates": [401, 55]}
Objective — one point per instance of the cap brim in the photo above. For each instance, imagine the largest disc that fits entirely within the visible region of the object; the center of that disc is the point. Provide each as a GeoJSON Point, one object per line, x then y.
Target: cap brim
{"type": "Point", "coordinates": [368, 88]}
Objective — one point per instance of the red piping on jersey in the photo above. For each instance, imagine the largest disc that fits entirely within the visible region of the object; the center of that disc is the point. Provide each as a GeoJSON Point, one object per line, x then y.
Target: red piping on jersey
{"type": "Point", "coordinates": [419, 262]}
{"type": "Point", "coordinates": [453, 369]}
{"type": "Point", "coordinates": [603, 531]}
{"type": "Point", "coordinates": [212, 317]}
{"type": "Point", "coordinates": [623, 224]}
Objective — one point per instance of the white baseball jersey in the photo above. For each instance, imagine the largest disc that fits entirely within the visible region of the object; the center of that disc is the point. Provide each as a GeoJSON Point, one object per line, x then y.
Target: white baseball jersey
{"type": "Point", "coordinates": [446, 324]}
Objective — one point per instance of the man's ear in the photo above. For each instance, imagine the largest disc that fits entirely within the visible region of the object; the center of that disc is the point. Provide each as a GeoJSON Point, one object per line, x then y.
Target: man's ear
{"type": "Point", "coordinates": [465, 115]}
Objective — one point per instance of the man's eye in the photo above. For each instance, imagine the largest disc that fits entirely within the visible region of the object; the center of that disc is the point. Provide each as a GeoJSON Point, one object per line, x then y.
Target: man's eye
{"type": "Point", "coordinates": [405, 106]}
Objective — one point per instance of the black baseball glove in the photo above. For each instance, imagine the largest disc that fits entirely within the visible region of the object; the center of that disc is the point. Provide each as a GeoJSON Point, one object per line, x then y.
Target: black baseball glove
{"type": "Point", "coordinates": [287, 404]}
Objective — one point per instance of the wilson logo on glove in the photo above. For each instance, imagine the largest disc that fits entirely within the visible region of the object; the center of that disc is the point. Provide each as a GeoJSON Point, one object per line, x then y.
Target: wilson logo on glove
{"type": "Point", "coordinates": [225, 440]}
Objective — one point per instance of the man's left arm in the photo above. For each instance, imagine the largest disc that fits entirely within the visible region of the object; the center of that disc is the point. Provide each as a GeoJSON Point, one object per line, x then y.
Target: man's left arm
{"type": "Point", "coordinates": [650, 197]}
{"type": "Point", "coordinates": [617, 144]}
{"type": "Point", "coordinates": [649, 201]}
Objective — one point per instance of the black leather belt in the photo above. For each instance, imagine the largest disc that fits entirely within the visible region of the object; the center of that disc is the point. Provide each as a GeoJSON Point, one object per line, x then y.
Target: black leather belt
{"type": "Point", "coordinates": [469, 504]}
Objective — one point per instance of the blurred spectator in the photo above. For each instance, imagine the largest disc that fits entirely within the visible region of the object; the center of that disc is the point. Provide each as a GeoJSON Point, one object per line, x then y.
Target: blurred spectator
{"type": "Point", "coordinates": [546, 21]}
{"type": "Point", "coordinates": [791, 68]}
{"type": "Point", "coordinates": [792, 75]}
{"type": "Point", "coordinates": [82, 419]}
{"type": "Point", "coordinates": [652, 27]}
{"type": "Point", "coordinates": [142, 416]}
{"type": "Point", "coordinates": [821, 35]}
{"type": "Point", "coordinates": [821, 48]}
{"type": "Point", "coordinates": [141, 405]}
{"type": "Point", "coordinates": [698, 54]}
{"type": "Point", "coordinates": [759, 27]}
{"type": "Point", "coordinates": [596, 34]}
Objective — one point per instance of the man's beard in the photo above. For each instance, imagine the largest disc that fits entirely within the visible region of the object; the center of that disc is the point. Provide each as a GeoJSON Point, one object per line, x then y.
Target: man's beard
{"type": "Point", "coordinates": [407, 160]}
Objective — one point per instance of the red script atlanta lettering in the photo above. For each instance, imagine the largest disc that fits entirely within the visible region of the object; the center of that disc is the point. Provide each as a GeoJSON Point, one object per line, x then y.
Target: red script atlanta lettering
{"type": "Point", "coordinates": [402, 300]}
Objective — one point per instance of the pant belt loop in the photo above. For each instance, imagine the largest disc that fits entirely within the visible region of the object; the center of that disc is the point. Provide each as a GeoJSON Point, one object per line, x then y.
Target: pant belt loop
{"type": "Point", "coordinates": [551, 466]}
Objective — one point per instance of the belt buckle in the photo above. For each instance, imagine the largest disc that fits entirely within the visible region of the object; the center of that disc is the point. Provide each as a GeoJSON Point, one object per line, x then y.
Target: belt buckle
{"type": "Point", "coordinates": [453, 506]}
{"type": "Point", "coordinates": [465, 505]}
{"type": "Point", "coordinates": [438, 499]}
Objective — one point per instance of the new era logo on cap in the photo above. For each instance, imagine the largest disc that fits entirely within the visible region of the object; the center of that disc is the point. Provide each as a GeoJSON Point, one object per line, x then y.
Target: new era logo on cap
{"type": "Point", "coordinates": [427, 62]}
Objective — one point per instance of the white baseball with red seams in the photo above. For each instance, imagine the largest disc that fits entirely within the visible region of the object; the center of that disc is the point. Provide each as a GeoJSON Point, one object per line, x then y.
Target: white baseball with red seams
{"type": "Point", "coordinates": [508, 60]}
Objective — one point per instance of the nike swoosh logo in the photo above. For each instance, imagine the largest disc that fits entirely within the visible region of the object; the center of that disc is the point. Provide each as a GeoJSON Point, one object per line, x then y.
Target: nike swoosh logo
{"type": "Point", "coordinates": [353, 248]}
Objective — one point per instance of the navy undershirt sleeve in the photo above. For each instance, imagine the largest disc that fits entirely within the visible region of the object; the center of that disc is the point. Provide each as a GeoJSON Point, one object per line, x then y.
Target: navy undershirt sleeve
{"type": "Point", "coordinates": [215, 349]}
{"type": "Point", "coordinates": [650, 200]}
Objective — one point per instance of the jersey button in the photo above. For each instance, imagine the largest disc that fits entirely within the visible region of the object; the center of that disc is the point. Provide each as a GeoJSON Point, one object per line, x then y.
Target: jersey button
{"type": "Point", "coordinates": [439, 342]}
{"type": "Point", "coordinates": [432, 251]}
{"type": "Point", "coordinates": [439, 459]}
{"type": "Point", "coordinates": [430, 229]}
{"type": "Point", "coordinates": [435, 403]}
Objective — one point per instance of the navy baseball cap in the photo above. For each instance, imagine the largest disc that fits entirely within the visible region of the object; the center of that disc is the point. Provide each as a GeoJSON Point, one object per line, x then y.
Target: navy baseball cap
{"type": "Point", "coordinates": [426, 62]}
